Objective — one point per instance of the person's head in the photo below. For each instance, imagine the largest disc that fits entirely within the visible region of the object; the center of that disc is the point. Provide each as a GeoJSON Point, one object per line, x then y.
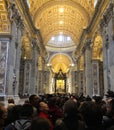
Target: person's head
{"type": "Point", "coordinates": [91, 113]}
{"type": "Point", "coordinates": [11, 103]}
{"type": "Point", "coordinates": [26, 110]}
{"type": "Point", "coordinates": [70, 108]}
{"type": "Point", "coordinates": [43, 107]}
{"type": "Point", "coordinates": [33, 99]}
{"type": "Point", "coordinates": [40, 124]}
{"type": "Point", "coordinates": [110, 107]}
{"type": "Point", "coordinates": [11, 100]}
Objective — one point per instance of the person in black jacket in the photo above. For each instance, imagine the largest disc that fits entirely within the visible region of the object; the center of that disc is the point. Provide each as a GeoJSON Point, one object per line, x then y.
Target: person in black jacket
{"type": "Point", "coordinates": [70, 120]}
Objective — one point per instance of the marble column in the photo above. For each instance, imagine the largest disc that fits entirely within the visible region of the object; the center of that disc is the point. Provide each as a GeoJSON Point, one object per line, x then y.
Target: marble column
{"type": "Point", "coordinates": [4, 47]}
{"type": "Point", "coordinates": [95, 77]}
{"type": "Point", "coordinates": [84, 75]}
{"type": "Point", "coordinates": [17, 26]}
{"type": "Point", "coordinates": [34, 69]}
{"type": "Point", "coordinates": [27, 78]}
{"type": "Point", "coordinates": [74, 81]}
{"type": "Point", "coordinates": [88, 69]}
{"type": "Point", "coordinates": [46, 81]}
{"type": "Point", "coordinates": [40, 75]}
{"type": "Point", "coordinates": [79, 78]}
{"type": "Point", "coordinates": [107, 27]}
{"type": "Point", "coordinates": [112, 52]}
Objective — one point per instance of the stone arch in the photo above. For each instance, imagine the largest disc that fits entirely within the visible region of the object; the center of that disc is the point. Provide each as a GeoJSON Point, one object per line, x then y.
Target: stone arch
{"type": "Point", "coordinates": [60, 60]}
{"type": "Point", "coordinates": [97, 47]}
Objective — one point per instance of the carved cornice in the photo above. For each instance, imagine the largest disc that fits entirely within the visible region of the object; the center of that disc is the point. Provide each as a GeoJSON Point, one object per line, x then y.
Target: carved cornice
{"type": "Point", "coordinates": [24, 6]}
{"type": "Point", "coordinates": [5, 36]}
{"type": "Point", "coordinates": [96, 15]}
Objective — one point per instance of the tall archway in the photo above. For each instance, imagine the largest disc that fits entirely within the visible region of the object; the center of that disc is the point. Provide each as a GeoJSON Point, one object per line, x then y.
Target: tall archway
{"type": "Point", "coordinates": [25, 67]}
{"type": "Point", "coordinates": [97, 66]}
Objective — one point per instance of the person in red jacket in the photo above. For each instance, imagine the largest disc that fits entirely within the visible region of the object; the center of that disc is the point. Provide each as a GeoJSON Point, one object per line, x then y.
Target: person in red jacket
{"type": "Point", "coordinates": [44, 109]}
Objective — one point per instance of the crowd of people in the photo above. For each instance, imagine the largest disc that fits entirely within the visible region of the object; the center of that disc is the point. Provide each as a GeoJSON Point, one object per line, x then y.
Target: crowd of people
{"type": "Point", "coordinates": [59, 112]}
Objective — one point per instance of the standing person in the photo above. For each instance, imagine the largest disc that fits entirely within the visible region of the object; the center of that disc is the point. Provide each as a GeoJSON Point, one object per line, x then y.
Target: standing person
{"type": "Point", "coordinates": [24, 121]}
{"type": "Point", "coordinates": [3, 115]}
{"type": "Point", "coordinates": [40, 124]}
{"type": "Point", "coordinates": [54, 111]}
{"type": "Point", "coordinates": [92, 115]}
{"type": "Point", "coordinates": [43, 112]}
{"type": "Point", "coordinates": [70, 120]}
{"type": "Point", "coordinates": [34, 101]}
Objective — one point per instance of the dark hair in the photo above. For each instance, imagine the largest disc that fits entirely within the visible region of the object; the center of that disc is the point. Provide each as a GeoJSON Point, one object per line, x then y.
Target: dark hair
{"type": "Point", "coordinates": [31, 98]}
{"type": "Point", "coordinates": [92, 113]}
{"type": "Point", "coordinates": [40, 124]}
{"type": "Point", "coordinates": [71, 115]}
{"type": "Point", "coordinates": [10, 100]}
{"type": "Point", "coordinates": [26, 110]}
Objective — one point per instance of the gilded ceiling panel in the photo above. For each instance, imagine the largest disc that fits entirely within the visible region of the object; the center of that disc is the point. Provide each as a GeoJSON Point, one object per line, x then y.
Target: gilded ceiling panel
{"type": "Point", "coordinates": [87, 5]}
{"type": "Point", "coordinates": [67, 16]}
{"type": "Point", "coordinates": [4, 24]}
{"type": "Point", "coordinates": [52, 21]}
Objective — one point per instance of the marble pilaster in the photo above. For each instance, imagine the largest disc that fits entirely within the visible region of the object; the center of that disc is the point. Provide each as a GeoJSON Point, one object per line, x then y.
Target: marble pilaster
{"type": "Point", "coordinates": [107, 27]}
{"type": "Point", "coordinates": [95, 77]}
{"type": "Point", "coordinates": [80, 78]}
{"type": "Point", "coordinates": [40, 75]}
{"type": "Point", "coordinates": [88, 68]}
{"type": "Point", "coordinates": [34, 69]}
{"type": "Point", "coordinates": [27, 77]}
{"type": "Point", "coordinates": [4, 47]}
{"type": "Point", "coordinates": [16, 27]}
{"type": "Point", "coordinates": [74, 82]}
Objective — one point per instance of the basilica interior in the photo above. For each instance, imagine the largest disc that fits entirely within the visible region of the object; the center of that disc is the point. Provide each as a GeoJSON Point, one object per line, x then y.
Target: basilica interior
{"type": "Point", "coordinates": [56, 46]}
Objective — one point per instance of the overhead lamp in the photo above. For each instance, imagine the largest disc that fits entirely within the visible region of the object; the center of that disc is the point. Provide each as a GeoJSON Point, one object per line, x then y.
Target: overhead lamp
{"type": "Point", "coordinates": [25, 57]}
{"type": "Point", "coordinates": [52, 38]}
{"type": "Point", "coordinates": [61, 32]}
{"type": "Point", "coordinates": [61, 22]}
{"type": "Point", "coordinates": [48, 64]}
{"type": "Point", "coordinates": [61, 10]}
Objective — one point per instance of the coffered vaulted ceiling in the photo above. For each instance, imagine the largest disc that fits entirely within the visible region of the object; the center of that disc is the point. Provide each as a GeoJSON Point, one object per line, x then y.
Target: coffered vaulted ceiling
{"type": "Point", "coordinates": [55, 17]}
{"type": "Point", "coordinates": [4, 24]}
{"type": "Point", "coordinates": [67, 17]}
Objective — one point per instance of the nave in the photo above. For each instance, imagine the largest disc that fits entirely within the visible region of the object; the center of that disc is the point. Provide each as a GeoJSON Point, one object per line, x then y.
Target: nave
{"type": "Point", "coordinates": [56, 64]}
{"type": "Point", "coordinates": [51, 47]}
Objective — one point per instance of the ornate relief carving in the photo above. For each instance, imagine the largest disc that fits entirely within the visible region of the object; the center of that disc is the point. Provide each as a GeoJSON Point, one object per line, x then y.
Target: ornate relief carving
{"type": "Point", "coordinates": [15, 16]}
{"type": "Point", "coordinates": [107, 16]}
{"type": "Point", "coordinates": [88, 44]}
{"type": "Point", "coordinates": [3, 62]}
{"type": "Point", "coordinates": [113, 25]}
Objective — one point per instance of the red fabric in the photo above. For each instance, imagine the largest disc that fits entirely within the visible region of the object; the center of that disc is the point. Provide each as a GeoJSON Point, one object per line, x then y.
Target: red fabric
{"type": "Point", "coordinates": [45, 116]}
